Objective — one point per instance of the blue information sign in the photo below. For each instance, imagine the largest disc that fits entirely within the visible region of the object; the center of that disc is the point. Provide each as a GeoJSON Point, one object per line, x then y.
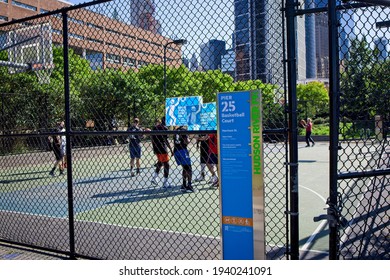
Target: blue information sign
{"type": "Point", "coordinates": [237, 133]}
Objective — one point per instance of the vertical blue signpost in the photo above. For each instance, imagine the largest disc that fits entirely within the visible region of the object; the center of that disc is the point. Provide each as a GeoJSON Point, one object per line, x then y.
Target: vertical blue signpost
{"type": "Point", "coordinates": [241, 175]}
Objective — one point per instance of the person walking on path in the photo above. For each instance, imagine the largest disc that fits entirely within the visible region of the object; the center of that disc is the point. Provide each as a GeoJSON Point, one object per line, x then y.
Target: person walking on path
{"type": "Point", "coordinates": [309, 127]}
{"type": "Point", "coordinates": [161, 145]}
{"type": "Point", "coordinates": [135, 147]}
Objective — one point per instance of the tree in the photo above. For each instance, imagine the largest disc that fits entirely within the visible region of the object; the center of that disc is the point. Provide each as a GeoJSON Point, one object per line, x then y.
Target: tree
{"type": "Point", "coordinates": [356, 82]}
{"type": "Point", "coordinates": [313, 100]}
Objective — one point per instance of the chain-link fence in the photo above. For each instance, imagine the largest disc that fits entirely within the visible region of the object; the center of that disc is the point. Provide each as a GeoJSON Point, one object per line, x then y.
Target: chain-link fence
{"type": "Point", "coordinates": [359, 189]}
{"type": "Point", "coordinates": [363, 159]}
{"type": "Point", "coordinates": [84, 166]}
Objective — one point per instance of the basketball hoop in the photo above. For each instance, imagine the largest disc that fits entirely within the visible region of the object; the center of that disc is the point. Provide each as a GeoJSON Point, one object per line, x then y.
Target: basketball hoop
{"type": "Point", "coordinates": [43, 72]}
{"type": "Point", "coordinates": [30, 48]}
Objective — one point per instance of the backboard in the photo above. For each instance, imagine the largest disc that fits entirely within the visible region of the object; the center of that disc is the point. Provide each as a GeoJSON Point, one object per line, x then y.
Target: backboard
{"type": "Point", "coordinates": [30, 48]}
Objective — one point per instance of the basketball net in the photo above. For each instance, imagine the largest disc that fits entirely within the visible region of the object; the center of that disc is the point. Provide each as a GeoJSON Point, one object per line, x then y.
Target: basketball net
{"type": "Point", "coordinates": [43, 72]}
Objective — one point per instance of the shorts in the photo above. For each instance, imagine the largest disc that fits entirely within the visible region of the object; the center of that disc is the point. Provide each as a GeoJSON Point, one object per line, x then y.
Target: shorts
{"type": "Point", "coordinates": [182, 157]}
{"type": "Point", "coordinates": [163, 157]}
{"type": "Point", "coordinates": [135, 152]}
{"type": "Point", "coordinates": [213, 159]}
{"type": "Point", "coordinates": [204, 156]}
{"type": "Point", "coordinates": [58, 153]}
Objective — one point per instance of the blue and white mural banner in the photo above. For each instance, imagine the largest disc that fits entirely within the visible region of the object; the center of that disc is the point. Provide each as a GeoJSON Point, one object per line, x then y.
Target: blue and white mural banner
{"type": "Point", "coordinates": [208, 116]}
{"type": "Point", "coordinates": [184, 111]}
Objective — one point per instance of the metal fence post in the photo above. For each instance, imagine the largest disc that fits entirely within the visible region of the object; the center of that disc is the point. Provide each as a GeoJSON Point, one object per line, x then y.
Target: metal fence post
{"type": "Point", "coordinates": [334, 119]}
{"type": "Point", "coordinates": [293, 127]}
{"type": "Point", "coordinates": [68, 139]}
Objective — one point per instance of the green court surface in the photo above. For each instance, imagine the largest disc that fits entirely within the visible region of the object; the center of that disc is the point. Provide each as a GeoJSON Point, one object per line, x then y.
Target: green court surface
{"type": "Point", "coordinates": [105, 193]}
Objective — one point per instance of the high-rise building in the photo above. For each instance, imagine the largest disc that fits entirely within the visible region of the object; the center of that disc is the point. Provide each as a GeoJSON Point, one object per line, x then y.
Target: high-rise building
{"type": "Point", "coordinates": [310, 39]}
{"type": "Point", "coordinates": [322, 45]}
{"type": "Point", "coordinates": [302, 48]}
{"type": "Point", "coordinates": [228, 62]}
{"type": "Point", "coordinates": [194, 64]}
{"type": "Point", "coordinates": [346, 29]}
{"type": "Point", "coordinates": [382, 46]}
{"type": "Point", "coordinates": [211, 53]}
{"type": "Point", "coordinates": [258, 39]}
{"type": "Point", "coordinates": [142, 15]}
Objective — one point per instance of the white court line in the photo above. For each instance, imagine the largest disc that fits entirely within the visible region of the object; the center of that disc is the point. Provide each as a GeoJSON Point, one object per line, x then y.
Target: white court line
{"type": "Point", "coordinates": [115, 225]}
{"type": "Point", "coordinates": [307, 245]}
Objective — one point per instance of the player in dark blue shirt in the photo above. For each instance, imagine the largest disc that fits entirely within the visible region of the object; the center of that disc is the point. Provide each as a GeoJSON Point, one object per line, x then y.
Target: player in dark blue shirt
{"type": "Point", "coordinates": [182, 158]}
{"type": "Point", "coordinates": [135, 146]}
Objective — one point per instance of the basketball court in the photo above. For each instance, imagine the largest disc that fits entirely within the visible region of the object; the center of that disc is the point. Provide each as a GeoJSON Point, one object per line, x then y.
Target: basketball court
{"type": "Point", "coordinates": [108, 197]}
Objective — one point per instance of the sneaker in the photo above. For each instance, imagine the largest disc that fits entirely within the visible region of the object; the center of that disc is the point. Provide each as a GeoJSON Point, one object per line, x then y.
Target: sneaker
{"type": "Point", "coordinates": [154, 181]}
{"type": "Point", "coordinates": [215, 184]}
{"type": "Point", "coordinates": [307, 146]}
{"type": "Point", "coordinates": [190, 189]}
{"type": "Point", "coordinates": [183, 188]}
{"type": "Point", "coordinates": [51, 173]}
{"type": "Point", "coordinates": [199, 179]}
{"type": "Point", "coordinates": [132, 174]}
{"type": "Point", "coordinates": [313, 144]}
{"type": "Point", "coordinates": [213, 180]}
{"type": "Point", "coordinates": [166, 185]}
{"type": "Point", "coordinates": [62, 172]}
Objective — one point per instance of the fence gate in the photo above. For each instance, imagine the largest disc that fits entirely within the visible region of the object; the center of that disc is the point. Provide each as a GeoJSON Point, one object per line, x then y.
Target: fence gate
{"type": "Point", "coordinates": [114, 63]}
{"type": "Point", "coordinates": [358, 203]}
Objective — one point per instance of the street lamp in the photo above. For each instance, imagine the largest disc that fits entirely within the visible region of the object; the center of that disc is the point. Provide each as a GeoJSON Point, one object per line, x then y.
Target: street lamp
{"type": "Point", "coordinates": [175, 42]}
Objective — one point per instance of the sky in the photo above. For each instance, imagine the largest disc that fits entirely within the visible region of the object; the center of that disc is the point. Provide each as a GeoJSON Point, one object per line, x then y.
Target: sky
{"type": "Point", "coordinates": [214, 19]}
{"type": "Point", "coordinates": [190, 20]}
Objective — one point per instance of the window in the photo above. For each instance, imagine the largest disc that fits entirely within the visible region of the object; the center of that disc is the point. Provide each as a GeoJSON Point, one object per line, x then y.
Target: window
{"type": "Point", "coordinates": [113, 58]}
{"type": "Point", "coordinates": [3, 39]}
{"type": "Point", "coordinates": [43, 11]}
{"type": "Point", "coordinates": [76, 20]}
{"type": "Point", "coordinates": [129, 61]}
{"type": "Point", "coordinates": [4, 18]}
{"type": "Point", "coordinates": [113, 45]}
{"type": "Point", "coordinates": [129, 49]}
{"type": "Point", "coordinates": [142, 63]}
{"type": "Point", "coordinates": [113, 31]}
{"type": "Point", "coordinates": [95, 40]}
{"type": "Point", "coordinates": [94, 26]}
{"type": "Point", "coordinates": [241, 7]}
{"type": "Point", "coordinates": [25, 6]}
{"type": "Point", "coordinates": [76, 36]}
{"type": "Point", "coordinates": [5, 1]}
{"type": "Point", "coordinates": [129, 36]}
{"type": "Point", "coordinates": [242, 37]}
{"type": "Point", "coordinates": [95, 59]}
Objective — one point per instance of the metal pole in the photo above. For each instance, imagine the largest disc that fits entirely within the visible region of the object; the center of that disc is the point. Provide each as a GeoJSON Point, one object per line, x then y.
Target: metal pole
{"type": "Point", "coordinates": [293, 127]}
{"type": "Point", "coordinates": [176, 42]}
{"type": "Point", "coordinates": [165, 71]}
{"type": "Point", "coordinates": [68, 138]}
{"type": "Point", "coordinates": [334, 122]}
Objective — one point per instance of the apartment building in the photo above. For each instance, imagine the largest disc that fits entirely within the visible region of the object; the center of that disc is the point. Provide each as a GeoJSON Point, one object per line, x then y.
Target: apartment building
{"type": "Point", "coordinates": [104, 41]}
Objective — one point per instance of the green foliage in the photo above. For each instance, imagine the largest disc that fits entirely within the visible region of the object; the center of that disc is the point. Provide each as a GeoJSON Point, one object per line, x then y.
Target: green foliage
{"type": "Point", "coordinates": [313, 100]}
{"type": "Point", "coordinates": [365, 84]}
{"type": "Point", "coordinates": [105, 95]}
